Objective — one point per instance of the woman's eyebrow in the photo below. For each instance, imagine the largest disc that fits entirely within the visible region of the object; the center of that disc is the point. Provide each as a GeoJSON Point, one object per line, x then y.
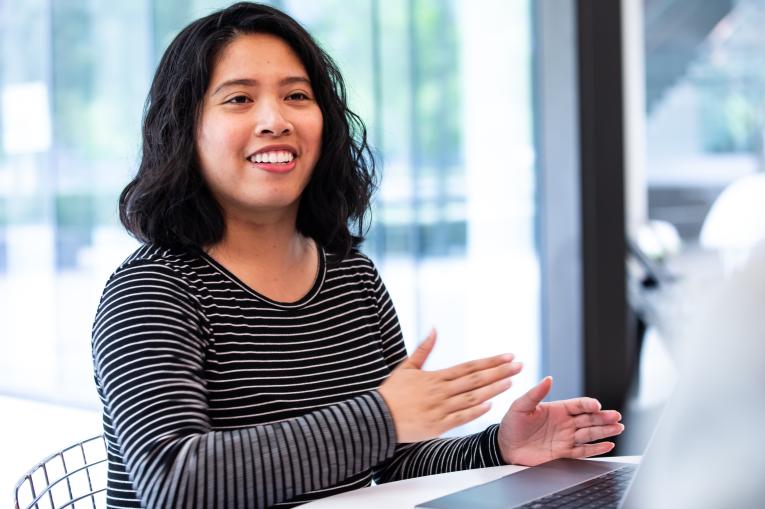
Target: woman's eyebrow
{"type": "Point", "coordinates": [247, 82]}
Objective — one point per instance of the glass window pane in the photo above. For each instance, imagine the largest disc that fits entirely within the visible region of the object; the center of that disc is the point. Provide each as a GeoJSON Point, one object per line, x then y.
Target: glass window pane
{"type": "Point", "coordinates": [443, 86]}
{"type": "Point", "coordinates": [705, 98]}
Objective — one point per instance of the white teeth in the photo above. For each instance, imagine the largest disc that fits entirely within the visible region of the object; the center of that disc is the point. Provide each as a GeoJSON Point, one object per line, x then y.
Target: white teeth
{"type": "Point", "coordinates": [278, 156]}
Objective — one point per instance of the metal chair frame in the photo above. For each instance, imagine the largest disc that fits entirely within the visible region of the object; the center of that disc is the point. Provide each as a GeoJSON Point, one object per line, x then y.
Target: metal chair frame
{"type": "Point", "coordinates": [42, 496]}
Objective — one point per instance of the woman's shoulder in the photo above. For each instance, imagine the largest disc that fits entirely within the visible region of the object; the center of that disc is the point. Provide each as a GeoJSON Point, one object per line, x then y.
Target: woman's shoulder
{"type": "Point", "coordinates": [152, 254]}
{"type": "Point", "coordinates": [356, 268]}
{"type": "Point", "coordinates": [354, 261]}
{"type": "Point", "coordinates": [159, 262]}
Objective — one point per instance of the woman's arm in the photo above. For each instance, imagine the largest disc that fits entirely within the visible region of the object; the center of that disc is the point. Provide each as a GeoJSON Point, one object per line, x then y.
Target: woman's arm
{"type": "Point", "coordinates": [149, 343]}
{"type": "Point", "coordinates": [441, 455]}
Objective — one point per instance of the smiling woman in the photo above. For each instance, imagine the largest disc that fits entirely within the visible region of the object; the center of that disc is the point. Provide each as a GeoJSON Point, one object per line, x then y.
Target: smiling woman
{"type": "Point", "coordinates": [248, 339]}
{"type": "Point", "coordinates": [248, 355]}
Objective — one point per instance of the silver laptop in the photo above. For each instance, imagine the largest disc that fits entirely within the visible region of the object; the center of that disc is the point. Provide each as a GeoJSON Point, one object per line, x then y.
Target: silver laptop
{"type": "Point", "coordinates": [560, 483]}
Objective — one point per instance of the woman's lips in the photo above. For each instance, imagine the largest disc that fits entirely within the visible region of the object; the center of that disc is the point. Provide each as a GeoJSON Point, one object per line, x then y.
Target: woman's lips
{"type": "Point", "coordinates": [276, 167]}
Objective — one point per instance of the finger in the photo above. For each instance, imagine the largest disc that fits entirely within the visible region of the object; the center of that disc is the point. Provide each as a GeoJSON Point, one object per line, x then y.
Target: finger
{"type": "Point", "coordinates": [529, 401]}
{"type": "Point", "coordinates": [578, 406]}
{"type": "Point", "coordinates": [597, 419]}
{"type": "Point", "coordinates": [587, 450]}
{"type": "Point", "coordinates": [464, 416]}
{"type": "Point", "coordinates": [466, 368]}
{"type": "Point", "coordinates": [477, 396]}
{"type": "Point", "coordinates": [420, 355]}
{"type": "Point", "coordinates": [482, 378]}
{"type": "Point", "coordinates": [585, 435]}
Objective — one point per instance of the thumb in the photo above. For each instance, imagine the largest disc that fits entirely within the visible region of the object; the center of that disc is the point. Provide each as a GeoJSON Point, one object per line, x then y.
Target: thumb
{"type": "Point", "coordinates": [420, 355]}
{"type": "Point", "coordinates": [529, 401]}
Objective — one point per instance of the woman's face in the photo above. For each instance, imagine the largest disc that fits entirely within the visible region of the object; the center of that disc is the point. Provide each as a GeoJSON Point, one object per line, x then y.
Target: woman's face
{"type": "Point", "coordinates": [259, 134]}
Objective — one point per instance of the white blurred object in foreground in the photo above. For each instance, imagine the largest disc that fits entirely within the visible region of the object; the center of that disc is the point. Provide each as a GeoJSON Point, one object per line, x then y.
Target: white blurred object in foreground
{"type": "Point", "coordinates": [709, 448]}
{"type": "Point", "coordinates": [736, 221]}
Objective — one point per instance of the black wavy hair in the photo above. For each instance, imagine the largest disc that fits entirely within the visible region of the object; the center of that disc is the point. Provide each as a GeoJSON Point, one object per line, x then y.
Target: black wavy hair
{"type": "Point", "coordinates": [169, 204]}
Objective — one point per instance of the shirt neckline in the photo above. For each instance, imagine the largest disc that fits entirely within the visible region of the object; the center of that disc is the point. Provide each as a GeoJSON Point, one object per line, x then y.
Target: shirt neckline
{"type": "Point", "coordinates": [305, 299]}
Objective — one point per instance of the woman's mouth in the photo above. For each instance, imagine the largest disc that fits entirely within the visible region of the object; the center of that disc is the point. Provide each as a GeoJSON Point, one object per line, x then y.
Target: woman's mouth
{"type": "Point", "coordinates": [276, 161]}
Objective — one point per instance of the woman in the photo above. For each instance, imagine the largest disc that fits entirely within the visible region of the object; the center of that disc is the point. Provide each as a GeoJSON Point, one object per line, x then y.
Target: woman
{"type": "Point", "coordinates": [247, 355]}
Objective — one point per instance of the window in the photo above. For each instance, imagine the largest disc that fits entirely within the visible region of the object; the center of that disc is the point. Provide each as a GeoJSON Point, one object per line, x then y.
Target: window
{"type": "Point", "coordinates": [705, 104]}
{"type": "Point", "coordinates": [443, 85]}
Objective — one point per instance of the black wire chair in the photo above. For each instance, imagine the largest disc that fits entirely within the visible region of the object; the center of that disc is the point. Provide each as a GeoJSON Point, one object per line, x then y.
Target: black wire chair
{"type": "Point", "coordinates": [74, 477]}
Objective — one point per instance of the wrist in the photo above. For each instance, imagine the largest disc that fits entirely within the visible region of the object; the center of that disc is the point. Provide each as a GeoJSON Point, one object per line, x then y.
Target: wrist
{"type": "Point", "coordinates": [504, 449]}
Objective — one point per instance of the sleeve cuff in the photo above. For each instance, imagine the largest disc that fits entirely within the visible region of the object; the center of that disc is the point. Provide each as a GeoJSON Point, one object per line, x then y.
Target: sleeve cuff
{"type": "Point", "coordinates": [384, 419]}
{"type": "Point", "coordinates": [491, 443]}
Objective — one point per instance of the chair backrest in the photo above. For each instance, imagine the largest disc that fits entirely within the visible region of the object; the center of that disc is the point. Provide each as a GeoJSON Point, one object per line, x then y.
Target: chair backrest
{"type": "Point", "coordinates": [73, 477]}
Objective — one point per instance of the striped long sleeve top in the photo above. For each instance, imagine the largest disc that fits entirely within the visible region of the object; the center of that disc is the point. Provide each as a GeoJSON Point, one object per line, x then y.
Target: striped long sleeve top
{"type": "Point", "coordinates": [215, 396]}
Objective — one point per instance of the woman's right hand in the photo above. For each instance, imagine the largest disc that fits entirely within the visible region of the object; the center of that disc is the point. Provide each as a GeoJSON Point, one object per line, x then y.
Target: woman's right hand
{"type": "Point", "coordinates": [425, 404]}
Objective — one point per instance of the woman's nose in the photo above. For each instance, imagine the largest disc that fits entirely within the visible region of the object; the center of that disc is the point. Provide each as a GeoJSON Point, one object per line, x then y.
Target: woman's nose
{"type": "Point", "coordinates": [271, 121]}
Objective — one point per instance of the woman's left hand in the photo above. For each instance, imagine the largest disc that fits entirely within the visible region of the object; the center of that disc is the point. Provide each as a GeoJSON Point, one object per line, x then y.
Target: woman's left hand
{"type": "Point", "coordinates": [532, 432]}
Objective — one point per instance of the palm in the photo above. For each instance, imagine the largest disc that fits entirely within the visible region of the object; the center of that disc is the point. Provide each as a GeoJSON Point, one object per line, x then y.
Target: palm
{"type": "Point", "coordinates": [544, 434]}
{"type": "Point", "coordinates": [532, 432]}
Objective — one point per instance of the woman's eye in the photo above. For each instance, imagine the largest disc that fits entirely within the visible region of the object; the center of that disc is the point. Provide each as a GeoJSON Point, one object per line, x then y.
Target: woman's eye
{"type": "Point", "coordinates": [240, 99]}
{"type": "Point", "coordinates": [297, 96]}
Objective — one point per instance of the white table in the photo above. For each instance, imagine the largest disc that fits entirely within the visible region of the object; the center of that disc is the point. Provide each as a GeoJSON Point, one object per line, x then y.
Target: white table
{"type": "Point", "coordinates": [410, 492]}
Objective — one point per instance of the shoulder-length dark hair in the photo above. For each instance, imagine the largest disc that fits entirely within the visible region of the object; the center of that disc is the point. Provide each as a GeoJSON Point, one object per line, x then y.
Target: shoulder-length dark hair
{"type": "Point", "coordinates": [168, 203]}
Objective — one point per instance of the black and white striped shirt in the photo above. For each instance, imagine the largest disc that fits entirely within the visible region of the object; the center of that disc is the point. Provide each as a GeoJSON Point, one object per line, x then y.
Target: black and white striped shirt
{"type": "Point", "coordinates": [216, 396]}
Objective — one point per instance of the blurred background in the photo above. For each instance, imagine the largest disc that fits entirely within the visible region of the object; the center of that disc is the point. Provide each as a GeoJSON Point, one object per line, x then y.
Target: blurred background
{"type": "Point", "coordinates": [479, 228]}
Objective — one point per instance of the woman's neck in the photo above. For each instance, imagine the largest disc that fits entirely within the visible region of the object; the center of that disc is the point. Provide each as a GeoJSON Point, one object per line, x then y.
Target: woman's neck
{"type": "Point", "coordinates": [272, 258]}
{"type": "Point", "coordinates": [260, 242]}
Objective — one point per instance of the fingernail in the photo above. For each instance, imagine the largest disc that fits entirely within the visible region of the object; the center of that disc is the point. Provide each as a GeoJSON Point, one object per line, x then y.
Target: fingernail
{"type": "Point", "coordinates": [507, 357]}
{"type": "Point", "coordinates": [516, 365]}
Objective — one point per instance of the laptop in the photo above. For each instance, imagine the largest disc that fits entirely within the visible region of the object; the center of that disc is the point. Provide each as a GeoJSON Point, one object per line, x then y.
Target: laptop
{"type": "Point", "coordinates": [561, 483]}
